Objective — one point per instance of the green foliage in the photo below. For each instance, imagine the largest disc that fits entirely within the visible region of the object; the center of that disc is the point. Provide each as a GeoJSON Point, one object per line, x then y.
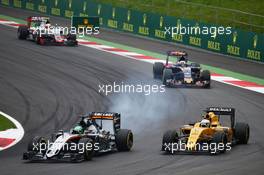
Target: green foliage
{"type": "Point", "coordinates": [243, 14]}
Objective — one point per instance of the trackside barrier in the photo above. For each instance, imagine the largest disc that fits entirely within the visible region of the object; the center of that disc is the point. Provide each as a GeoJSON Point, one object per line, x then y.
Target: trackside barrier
{"type": "Point", "coordinates": [246, 45]}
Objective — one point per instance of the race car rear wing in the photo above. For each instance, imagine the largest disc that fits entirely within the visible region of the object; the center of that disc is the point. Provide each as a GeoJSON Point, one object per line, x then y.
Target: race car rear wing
{"type": "Point", "coordinates": [175, 53]}
{"type": "Point", "coordinates": [220, 111]}
{"type": "Point", "coordinates": [38, 18]}
{"type": "Point", "coordinates": [116, 117]}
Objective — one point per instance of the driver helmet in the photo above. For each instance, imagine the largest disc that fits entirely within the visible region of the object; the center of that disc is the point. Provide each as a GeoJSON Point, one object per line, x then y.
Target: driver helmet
{"type": "Point", "coordinates": [206, 116]}
{"type": "Point", "coordinates": [42, 25]}
{"type": "Point", "coordinates": [182, 63]}
{"type": "Point", "coordinates": [47, 25]}
{"type": "Point", "coordinates": [92, 128]}
{"type": "Point", "coordinates": [77, 129]}
{"type": "Point", "coordinates": [205, 123]}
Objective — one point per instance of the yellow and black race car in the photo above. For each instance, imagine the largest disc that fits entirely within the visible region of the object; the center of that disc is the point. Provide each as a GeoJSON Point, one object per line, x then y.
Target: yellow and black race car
{"type": "Point", "coordinates": [207, 135]}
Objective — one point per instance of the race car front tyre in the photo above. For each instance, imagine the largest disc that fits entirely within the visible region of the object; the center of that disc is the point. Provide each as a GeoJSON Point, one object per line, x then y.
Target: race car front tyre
{"type": "Point", "coordinates": [38, 144]}
{"type": "Point", "coordinates": [22, 32]}
{"type": "Point", "coordinates": [124, 140]}
{"type": "Point", "coordinates": [71, 36]}
{"type": "Point", "coordinates": [170, 137]}
{"type": "Point", "coordinates": [167, 74]}
{"type": "Point", "coordinates": [242, 133]}
{"type": "Point", "coordinates": [218, 143]}
{"type": "Point", "coordinates": [158, 70]}
{"type": "Point", "coordinates": [206, 76]}
{"type": "Point", "coordinates": [88, 146]}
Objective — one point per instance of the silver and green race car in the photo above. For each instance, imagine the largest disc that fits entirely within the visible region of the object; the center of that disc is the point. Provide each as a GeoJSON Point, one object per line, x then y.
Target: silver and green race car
{"type": "Point", "coordinates": [95, 133]}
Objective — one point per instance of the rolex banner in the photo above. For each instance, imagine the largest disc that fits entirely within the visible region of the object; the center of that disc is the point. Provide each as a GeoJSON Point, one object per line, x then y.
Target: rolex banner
{"type": "Point", "coordinates": [220, 39]}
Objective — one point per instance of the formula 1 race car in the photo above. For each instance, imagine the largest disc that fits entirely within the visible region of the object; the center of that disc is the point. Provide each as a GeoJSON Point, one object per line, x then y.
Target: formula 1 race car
{"type": "Point", "coordinates": [86, 139]}
{"type": "Point", "coordinates": [181, 73]}
{"type": "Point", "coordinates": [38, 29]}
{"type": "Point", "coordinates": [208, 135]}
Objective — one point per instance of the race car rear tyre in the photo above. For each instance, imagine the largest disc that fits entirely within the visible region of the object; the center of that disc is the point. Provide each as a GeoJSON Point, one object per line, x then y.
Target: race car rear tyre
{"type": "Point", "coordinates": [206, 76]}
{"type": "Point", "coordinates": [242, 133]}
{"type": "Point", "coordinates": [218, 143]}
{"type": "Point", "coordinates": [22, 32]}
{"type": "Point", "coordinates": [170, 137]}
{"type": "Point", "coordinates": [38, 144]}
{"type": "Point", "coordinates": [167, 74]}
{"type": "Point", "coordinates": [158, 70]}
{"type": "Point", "coordinates": [124, 140]}
{"type": "Point", "coordinates": [88, 146]}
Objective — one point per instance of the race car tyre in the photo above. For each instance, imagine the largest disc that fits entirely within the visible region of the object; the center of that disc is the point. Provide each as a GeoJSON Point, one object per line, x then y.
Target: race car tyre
{"type": "Point", "coordinates": [167, 74]}
{"type": "Point", "coordinates": [71, 37]}
{"type": "Point", "coordinates": [158, 70]}
{"type": "Point", "coordinates": [88, 146]}
{"type": "Point", "coordinates": [72, 40]}
{"type": "Point", "coordinates": [124, 140]}
{"type": "Point", "coordinates": [169, 138]}
{"type": "Point", "coordinates": [22, 32]}
{"type": "Point", "coordinates": [38, 144]}
{"type": "Point", "coordinates": [242, 133]}
{"type": "Point", "coordinates": [206, 76]}
{"type": "Point", "coordinates": [218, 143]}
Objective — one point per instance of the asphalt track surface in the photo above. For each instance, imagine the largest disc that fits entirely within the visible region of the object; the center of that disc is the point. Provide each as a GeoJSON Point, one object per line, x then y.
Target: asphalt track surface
{"type": "Point", "coordinates": [45, 87]}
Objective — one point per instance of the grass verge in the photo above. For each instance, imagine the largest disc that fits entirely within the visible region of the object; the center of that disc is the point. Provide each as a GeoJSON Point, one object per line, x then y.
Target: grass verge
{"type": "Point", "coordinates": [243, 14]}
{"type": "Point", "coordinates": [5, 123]}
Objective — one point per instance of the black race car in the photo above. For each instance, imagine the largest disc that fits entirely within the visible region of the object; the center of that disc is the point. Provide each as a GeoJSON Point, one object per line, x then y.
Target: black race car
{"type": "Point", "coordinates": [38, 29]}
{"type": "Point", "coordinates": [181, 73]}
{"type": "Point", "coordinates": [89, 137]}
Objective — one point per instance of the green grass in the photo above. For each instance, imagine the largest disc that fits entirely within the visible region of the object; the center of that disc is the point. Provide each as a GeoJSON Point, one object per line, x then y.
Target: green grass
{"type": "Point", "coordinates": [5, 123]}
{"type": "Point", "coordinates": [221, 12]}
{"type": "Point", "coordinates": [20, 21]}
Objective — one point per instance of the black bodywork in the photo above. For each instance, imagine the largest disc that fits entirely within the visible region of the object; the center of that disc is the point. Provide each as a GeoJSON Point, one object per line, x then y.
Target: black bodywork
{"type": "Point", "coordinates": [181, 73]}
